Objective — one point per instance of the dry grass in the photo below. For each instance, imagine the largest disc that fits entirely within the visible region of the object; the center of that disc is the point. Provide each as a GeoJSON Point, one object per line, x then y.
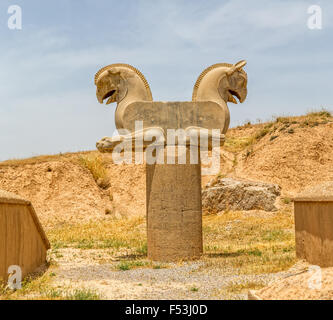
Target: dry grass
{"type": "Point", "coordinates": [42, 288]}
{"type": "Point", "coordinates": [113, 234]}
{"type": "Point", "coordinates": [138, 264]}
{"type": "Point", "coordinates": [252, 244]}
{"type": "Point", "coordinates": [312, 118]}
{"type": "Point", "coordinates": [264, 131]}
{"type": "Point", "coordinates": [68, 294]}
{"type": "Point", "coordinates": [279, 125]}
{"type": "Point", "coordinates": [235, 243]}
{"type": "Point", "coordinates": [44, 158]}
{"type": "Point", "coordinates": [323, 113]}
{"type": "Point", "coordinates": [3, 289]}
{"type": "Point", "coordinates": [31, 287]}
{"type": "Point", "coordinates": [244, 287]}
{"type": "Point", "coordinates": [237, 144]}
{"type": "Point", "coordinates": [95, 164]}
{"type": "Point", "coordinates": [233, 291]}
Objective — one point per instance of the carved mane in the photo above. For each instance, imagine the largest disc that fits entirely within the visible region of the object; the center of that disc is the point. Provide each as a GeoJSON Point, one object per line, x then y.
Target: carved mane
{"type": "Point", "coordinates": [202, 75]}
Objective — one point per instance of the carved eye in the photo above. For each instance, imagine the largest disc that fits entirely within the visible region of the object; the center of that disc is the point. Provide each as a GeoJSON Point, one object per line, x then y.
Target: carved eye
{"type": "Point", "coordinates": [241, 81]}
{"type": "Point", "coordinates": [233, 81]}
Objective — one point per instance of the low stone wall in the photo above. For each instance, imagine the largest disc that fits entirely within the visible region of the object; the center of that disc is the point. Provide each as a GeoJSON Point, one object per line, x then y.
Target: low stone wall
{"type": "Point", "coordinates": [23, 242]}
{"type": "Point", "coordinates": [314, 225]}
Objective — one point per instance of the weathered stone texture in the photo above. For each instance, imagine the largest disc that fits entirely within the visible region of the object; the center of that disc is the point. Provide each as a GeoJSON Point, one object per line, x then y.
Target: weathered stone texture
{"type": "Point", "coordinates": [314, 225]}
{"type": "Point", "coordinates": [174, 216]}
{"type": "Point", "coordinates": [230, 194]}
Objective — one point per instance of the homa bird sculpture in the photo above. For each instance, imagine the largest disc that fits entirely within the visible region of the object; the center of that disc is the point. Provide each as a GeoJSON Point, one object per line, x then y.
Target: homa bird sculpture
{"type": "Point", "coordinates": [125, 85]}
{"type": "Point", "coordinates": [173, 191]}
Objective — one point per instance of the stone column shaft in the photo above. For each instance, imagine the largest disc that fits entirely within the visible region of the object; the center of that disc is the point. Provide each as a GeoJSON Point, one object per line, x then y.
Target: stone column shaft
{"type": "Point", "coordinates": [174, 213]}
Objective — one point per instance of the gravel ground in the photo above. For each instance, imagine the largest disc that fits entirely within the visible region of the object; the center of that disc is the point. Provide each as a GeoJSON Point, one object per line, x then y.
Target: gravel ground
{"type": "Point", "coordinates": [98, 270]}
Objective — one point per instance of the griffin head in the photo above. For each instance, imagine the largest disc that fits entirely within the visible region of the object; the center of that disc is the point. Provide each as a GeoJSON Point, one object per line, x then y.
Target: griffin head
{"type": "Point", "coordinates": [234, 83]}
{"type": "Point", "coordinates": [110, 85]}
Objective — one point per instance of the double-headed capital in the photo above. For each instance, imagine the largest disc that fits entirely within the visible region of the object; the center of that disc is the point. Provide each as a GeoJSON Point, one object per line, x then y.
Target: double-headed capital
{"type": "Point", "coordinates": [207, 112]}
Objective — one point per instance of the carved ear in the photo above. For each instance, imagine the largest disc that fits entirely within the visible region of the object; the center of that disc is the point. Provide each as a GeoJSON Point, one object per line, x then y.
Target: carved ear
{"type": "Point", "coordinates": [237, 66]}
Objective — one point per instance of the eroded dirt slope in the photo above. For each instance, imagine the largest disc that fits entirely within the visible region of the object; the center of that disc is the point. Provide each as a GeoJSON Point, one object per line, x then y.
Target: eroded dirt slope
{"type": "Point", "coordinates": [292, 152]}
{"type": "Point", "coordinates": [60, 190]}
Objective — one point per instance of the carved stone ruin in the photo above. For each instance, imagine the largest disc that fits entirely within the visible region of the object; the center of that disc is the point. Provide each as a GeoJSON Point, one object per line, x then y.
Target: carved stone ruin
{"type": "Point", "coordinates": [314, 225]}
{"type": "Point", "coordinates": [173, 189]}
{"type": "Point", "coordinates": [23, 241]}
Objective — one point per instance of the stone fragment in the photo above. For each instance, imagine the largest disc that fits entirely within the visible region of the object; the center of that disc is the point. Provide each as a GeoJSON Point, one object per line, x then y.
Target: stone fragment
{"type": "Point", "coordinates": [230, 194]}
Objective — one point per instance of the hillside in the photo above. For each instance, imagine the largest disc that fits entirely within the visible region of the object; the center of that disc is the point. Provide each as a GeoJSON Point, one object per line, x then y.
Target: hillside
{"type": "Point", "coordinates": [63, 188]}
{"type": "Point", "coordinates": [293, 152]}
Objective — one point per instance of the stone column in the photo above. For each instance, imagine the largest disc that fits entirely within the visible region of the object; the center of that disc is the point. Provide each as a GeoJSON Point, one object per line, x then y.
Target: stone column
{"type": "Point", "coordinates": [174, 214]}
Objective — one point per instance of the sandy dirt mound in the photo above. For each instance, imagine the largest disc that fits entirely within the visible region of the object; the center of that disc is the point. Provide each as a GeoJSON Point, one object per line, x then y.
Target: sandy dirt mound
{"type": "Point", "coordinates": [295, 158]}
{"type": "Point", "coordinates": [61, 191]}
{"type": "Point", "coordinates": [304, 283]}
{"type": "Point", "coordinates": [128, 187]}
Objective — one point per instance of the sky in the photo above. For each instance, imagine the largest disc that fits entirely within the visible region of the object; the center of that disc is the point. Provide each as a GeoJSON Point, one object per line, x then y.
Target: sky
{"type": "Point", "coordinates": [48, 103]}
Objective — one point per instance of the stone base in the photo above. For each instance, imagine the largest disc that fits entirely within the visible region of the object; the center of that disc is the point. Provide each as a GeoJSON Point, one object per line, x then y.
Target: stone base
{"type": "Point", "coordinates": [314, 232]}
{"type": "Point", "coordinates": [174, 214]}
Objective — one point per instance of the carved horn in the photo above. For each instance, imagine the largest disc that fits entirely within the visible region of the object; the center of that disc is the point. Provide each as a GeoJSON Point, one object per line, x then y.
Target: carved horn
{"type": "Point", "coordinates": [237, 66]}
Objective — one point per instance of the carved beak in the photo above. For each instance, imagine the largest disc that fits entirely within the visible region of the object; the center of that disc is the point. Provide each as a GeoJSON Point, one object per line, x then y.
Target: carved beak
{"type": "Point", "coordinates": [110, 95]}
{"type": "Point", "coordinates": [231, 95]}
{"type": "Point", "coordinates": [239, 94]}
{"type": "Point", "coordinates": [101, 96]}
{"type": "Point", "coordinates": [242, 95]}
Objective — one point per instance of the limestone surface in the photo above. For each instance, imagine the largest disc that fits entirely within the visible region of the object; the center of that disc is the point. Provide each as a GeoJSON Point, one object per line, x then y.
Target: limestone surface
{"type": "Point", "coordinates": [216, 86]}
{"type": "Point", "coordinates": [230, 194]}
{"type": "Point", "coordinates": [174, 216]}
{"type": "Point", "coordinates": [314, 225]}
